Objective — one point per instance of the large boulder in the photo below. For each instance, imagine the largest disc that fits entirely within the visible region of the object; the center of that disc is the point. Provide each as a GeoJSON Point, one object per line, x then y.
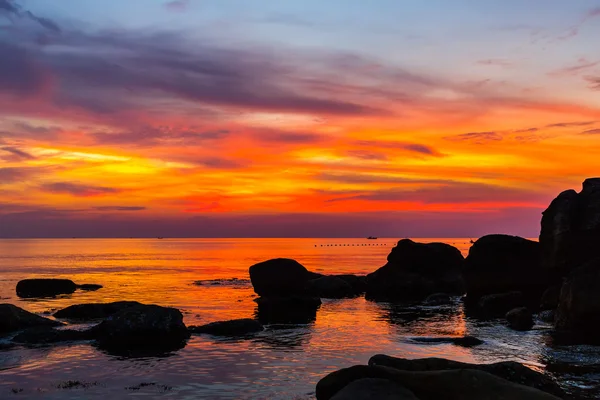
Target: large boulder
{"type": "Point", "coordinates": [503, 263]}
{"type": "Point", "coordinates": [454, 384]}
{"type": "Point", "coordinates": [578, 310]}
{"type": "Point", "coordinates": [287, 309]}
{"type": "Point", "coordinates": [93, 311]}
{"type": "Point", "coordinates": [550, 297]}
{"type": "Point", "coordinates": [416, 270]}
{"type": "Point", "coordinates": [280, 277]}
{"type": "Point", "coordinates": [374, 389]}
{"type": "Point", "coordinates": [330, 287]}
{"type": "Point", "coordinates": [570, 230]}
{"type": "Point", "coordinates": [509, 370]}
{"type": "Point", "coordinates": [520, 319]}
{"type": "Point", "coordinates": [142, 327]}
{"type": "Point", "coordinates": [28, 288]}
{"type": "Point", "coordinates": [236, 327]}
{"type": "Point", "coordinates": [13, 318]}
{"type": "Point", "coordinates": [358, 283]}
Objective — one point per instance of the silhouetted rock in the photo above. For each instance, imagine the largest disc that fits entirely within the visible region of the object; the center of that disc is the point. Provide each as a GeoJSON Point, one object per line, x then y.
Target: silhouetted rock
{"type": "Point", "coordinates": [509, 370]}
{"type": "Point", "coordinates": [13, 318]}
{"type": "Point", "coordinates": [45, 287]}
{"type": "Point", "coordinates": [280, 277]}
{"type": "Point", "coordinates": [142, 327]}
{"type": "Point", "coordinates": [547, 315]}
{"type": "Point", "coordinates": [89, 287]}
{"type": "Point", "coordinates": [578, 310]}
{"type": "Point", "coordinates": [358, 283]}
{"type": "Point", "coordinates": [287, 310]}
{"type": "Point", "coordinates": [47, 335]}
{"type": "Point", "coordinates": [571, 229]}
{"type": "Point", "coordinates": [236, 327]}
{"type": "Point", "coordinates": [416, 270]}
{"type": "Point", "coordinates": [453, 384]}
{"type": "Point", "coordinates": [374, 389]}
{"type": "Point", "coordinates": [520, 319]}
{"type": "Point", "coordinates": [503, 263]}
{"type": "Point", "coordinates": [93, 311]}
{"type": "Point", "coordinates": [463, 341]}
{"type": "Point", "coordinates": [438, 299]}
{"type": "Point", "coordinates": [497, 305]}
{"type": "Point", "coordinates": [550, 297]}
{"type": "Point", "coordinates": [330, 287]}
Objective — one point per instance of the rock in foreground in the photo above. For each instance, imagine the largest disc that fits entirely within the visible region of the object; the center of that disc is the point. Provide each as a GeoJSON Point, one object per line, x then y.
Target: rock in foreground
{"type": "Point", "coordinates": [509, 370]}
{"type": "Point", "coordinates": [46, 335]}
{"type": "Point", "coordinates": [520, 319]}
{"type": "Point", "coordinates": [374, 389]}
{"type": "Point", "coordinates": [459, 384]}
{"type": "Point", "coordinates": [93, 311]}
{"type": "Point", "coordinates": [280, 277]}
{"type": "Point", "coordinates": [287, 310]}
{"type": "Point", "coordinates": [416, 270]}
{"type": "Point", "coordinates": [497, 305]}
{"type": "Point", "coordinates": [236, 327]}
{"type": "Point", "coordinates": [13, 318]}
{"type": "Point", "coordinates": [330, 287]}
{"type": "Point", "coordinates": [143, 327]}
{"type": "Point", "coordinates": [28, 288]}
{"type": "Point", "coordinates": [503, 263]}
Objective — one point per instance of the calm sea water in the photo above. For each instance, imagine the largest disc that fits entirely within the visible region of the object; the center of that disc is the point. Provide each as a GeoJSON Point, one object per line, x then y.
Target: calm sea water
{"type": "Point", "coordinates": [275, 364]}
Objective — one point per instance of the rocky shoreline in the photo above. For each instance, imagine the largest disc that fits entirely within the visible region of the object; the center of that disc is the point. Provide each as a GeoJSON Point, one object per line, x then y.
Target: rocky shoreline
{"type": "Point", "coordinates": [556, 279]}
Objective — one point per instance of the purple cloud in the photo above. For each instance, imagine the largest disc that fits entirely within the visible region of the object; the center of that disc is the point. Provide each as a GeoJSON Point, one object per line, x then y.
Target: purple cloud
{"type": "Point", "coordinates": [17, 154]}
{"type": "Point", "coordinates": [477, 137]}
{"type": "Point", "coordinates": [177, 5]}
{"type": "Point", "coordinates": [79, 190]}
{"type": "Point", "coordinates": [120, 208]}
{"type": "Point", "coordinates": [591, 132]}
{"type": "Point", "coordinates": [411, 147]}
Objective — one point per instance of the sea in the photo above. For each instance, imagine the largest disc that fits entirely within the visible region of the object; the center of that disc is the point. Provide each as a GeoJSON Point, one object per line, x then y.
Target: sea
{"type": "Point", "coordinates": [207, 279]}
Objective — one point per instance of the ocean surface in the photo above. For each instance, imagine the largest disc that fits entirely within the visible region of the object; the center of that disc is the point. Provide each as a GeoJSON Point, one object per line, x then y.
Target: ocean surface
{"type": "Point", "coordinates": [207, 279]}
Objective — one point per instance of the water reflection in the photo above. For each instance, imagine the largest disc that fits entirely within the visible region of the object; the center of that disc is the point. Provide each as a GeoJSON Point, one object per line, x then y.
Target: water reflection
{"type": "Point", "coordinates": [285, 337]}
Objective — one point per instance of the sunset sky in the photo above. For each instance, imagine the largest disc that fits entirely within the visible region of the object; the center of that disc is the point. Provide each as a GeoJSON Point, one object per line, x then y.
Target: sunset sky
{"type": "Point", "coordinates": [422, 118]}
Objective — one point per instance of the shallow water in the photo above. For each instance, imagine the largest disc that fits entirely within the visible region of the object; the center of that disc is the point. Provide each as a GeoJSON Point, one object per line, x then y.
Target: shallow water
{"type": "Point", "coordinates": [196, 276]}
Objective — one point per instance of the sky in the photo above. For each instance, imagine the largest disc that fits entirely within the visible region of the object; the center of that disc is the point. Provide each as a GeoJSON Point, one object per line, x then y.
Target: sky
{"type": "Point", "coordinates": [265, 118]}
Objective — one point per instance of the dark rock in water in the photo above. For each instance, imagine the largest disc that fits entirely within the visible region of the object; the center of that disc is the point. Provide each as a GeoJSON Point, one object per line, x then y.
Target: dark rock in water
{"type": "Point", "coordinates": [47, 335]}
{"type": "Point", "coordinates": [578, 310]}
{"type": "Point", "coordinates": [452, 384]}
{"type": "Point", "coordinates": [438, 299]}
{"type": "Point", "coordinates": [509, 370]}
{"type": "Point", "coordinates": [503, 263]}
{"type": "Point", "coordinates": [287, 310]}
{"type": "Point", "coordinates": [280, 277]}
{"type": "Point", "coordinates": [497, 305]}
{"type": "Point", "coordinates": [520, 319]}
{"type": "Point", "coordinates": [142, 327]}
{"type": "Point", "coordinates": [547, 316]}
{"type": "Point", "coordinates": [571, 229]}
{"type": "Point", "coordinates": [330, 287]}
{"type": "Point", "coordinates": [416, 270]}
{"type": "Point", "coordinates": [236, 327]}
{"type": "Point", "coordinates": [89, 287]}
{"type": "Point", "coordinates": [550, 297]}
{"type": "Point", "coordinates": [374, 389]}
{"type": "Point", "coordinates": [463, 341]}
{"type": "Point", "coordinates": [358, 283]}
{"type": "Point", "coordinates": [13, 318]}
{"type": "Point", "coordinates": [93, 311]}
{"type": "Point", "coordinates": [28, 288]}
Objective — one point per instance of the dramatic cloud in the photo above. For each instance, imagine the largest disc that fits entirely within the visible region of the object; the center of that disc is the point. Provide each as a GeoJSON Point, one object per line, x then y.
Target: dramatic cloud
{"type": "Point", "coordinates": [79, 190]}
{"type": "Point", "coordinates": [17, 154]}
{"type": "Point", "coordinates": [570, 124]}
{"type": "Point", "coordinates": [411, 147]}
{"type": "Point", "coordinates": [594, 82]}
{"type": "Point", "coordinates": [476, 137]}
{"type": "Point", "coordinates": [591, 132]}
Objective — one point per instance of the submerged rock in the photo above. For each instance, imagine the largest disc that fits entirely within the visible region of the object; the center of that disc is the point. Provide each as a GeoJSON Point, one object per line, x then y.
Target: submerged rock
{"type": "Point", "coordinates": [571, 229]}
{"type": "Point", "coordinates": [93, 311]}
{"type": "Point", "coordinates": [520, 319]}
{"type": "Point", "coordinates": [280, 277]}
{"type": "Point", "coordinates": [45, 287]}
{"type": "Point", "coordinates": [89, 287]}
{"type": "Point", "coordinates": [497, 305]}
{"type": "Point", "coordinates": [463, 341]}
{"type": "Point", "coordinates": [13, 318]}
{"type": "Point", "coordinates": [509, 370]}
{"type": "Point", "coordinates": [47, 335]}
{"type": "Point", "coordinates": [453, 384]}
{"type": "Point", "coordinates": [503, 263]}
{"type": "Point", "coordinates": [142, 327]}
{"type": "Point", "coordinates": [438, 299]}
{"type": "Point", "coordinates": [330, 287]}
{"type": "Point", "coordinates": [578, 310]}
{"type": "Point", "coordinates": [416, 270]}
{"type": "Point", "coordinates": [374, 389]}
{"type": "Point", "coordinates": [287, 310]}
{"type": "Point", "coordinates": [236, 327]}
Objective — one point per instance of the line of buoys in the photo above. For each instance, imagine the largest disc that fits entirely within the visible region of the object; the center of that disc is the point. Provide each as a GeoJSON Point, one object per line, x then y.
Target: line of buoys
{"type": "Point", "coordinates": [351, 244]}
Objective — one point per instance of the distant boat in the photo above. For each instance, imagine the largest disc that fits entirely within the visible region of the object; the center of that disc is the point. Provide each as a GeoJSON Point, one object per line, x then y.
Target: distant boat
{"type": "Point", "coordinates": [371, 238]}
